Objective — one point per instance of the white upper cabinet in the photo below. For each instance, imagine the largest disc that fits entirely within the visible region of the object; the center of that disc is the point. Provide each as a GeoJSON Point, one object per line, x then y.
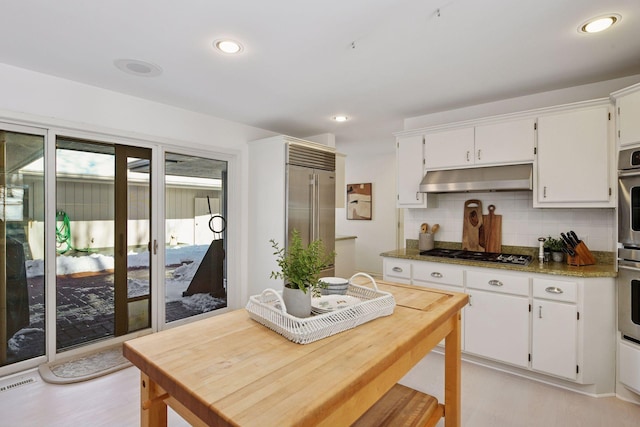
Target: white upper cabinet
{"type": "Point", "coordinates": [505, 142]}
{"type": "Point", "coordinates": [448, 149]}
{"type": "Point", "coordinates": [628, 114]}
{"type": "Point", "coordinates": [410, 171]}
{"type": "Point", "coordinates": [574, 159]}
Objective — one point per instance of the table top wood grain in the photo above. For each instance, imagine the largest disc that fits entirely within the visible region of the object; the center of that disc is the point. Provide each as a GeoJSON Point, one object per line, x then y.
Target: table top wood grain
{"type": "Point", "coordinates": [230, 370]}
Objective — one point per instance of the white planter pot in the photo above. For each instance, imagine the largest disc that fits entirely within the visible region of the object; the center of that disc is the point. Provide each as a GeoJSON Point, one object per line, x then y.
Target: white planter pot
{"type": "Point", "coordinates": [297, 302]}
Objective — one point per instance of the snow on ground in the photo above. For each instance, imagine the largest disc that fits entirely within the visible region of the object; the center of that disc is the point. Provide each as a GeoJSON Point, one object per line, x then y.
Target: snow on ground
{"type": "Point", "coordinates": [187, 258]}
{"type": "Point", "coordinates": [66, 264]}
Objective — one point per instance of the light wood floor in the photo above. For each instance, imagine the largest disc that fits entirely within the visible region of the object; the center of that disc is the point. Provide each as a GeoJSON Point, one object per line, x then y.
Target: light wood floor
{"type": "Point", "coordinates": [489, 399]}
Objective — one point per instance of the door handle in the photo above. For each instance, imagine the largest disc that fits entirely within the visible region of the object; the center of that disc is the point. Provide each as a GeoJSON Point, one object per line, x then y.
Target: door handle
{"type": "Point", "coordinates": [436, 274]}
{"type": "Point", "coordinates": [495, 283]}
{"type": "Point", "coordinates": [539, 312]}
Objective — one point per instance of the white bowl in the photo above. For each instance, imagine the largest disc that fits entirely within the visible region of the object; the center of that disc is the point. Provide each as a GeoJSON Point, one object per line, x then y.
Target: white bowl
{"type": "Point", "coordinates": [334, 285]}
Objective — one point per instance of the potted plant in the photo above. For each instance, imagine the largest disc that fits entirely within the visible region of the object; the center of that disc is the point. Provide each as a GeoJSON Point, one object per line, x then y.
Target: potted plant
{"type": "Point", "coordinates": [300, 268]}
{"type": "Point", "coordinates": [555, 246]}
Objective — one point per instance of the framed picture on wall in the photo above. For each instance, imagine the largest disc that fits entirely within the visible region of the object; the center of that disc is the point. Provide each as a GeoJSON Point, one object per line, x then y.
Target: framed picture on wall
{"type": "Point", "coordinates": [359, 201]}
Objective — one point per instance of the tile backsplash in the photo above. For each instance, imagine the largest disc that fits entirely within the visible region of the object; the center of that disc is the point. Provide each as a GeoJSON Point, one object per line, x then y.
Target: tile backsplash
{"type": "Point", "coordinates": [522, 225]}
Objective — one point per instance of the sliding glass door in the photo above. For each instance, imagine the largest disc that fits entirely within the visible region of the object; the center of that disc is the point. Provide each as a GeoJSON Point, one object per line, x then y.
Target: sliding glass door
{"type": "Point", "coordinates": [22, 243]}
{"type": "Point", "coordinates": [103, 215]}
{"type": "Point", "coordinates": [96, 235]}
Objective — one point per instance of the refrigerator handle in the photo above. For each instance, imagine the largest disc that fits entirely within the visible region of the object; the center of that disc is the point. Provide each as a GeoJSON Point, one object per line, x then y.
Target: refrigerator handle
{"type": "Point", "coordinates": [312, 202]}
{"type": "Point", "coordinates": [315, 220]}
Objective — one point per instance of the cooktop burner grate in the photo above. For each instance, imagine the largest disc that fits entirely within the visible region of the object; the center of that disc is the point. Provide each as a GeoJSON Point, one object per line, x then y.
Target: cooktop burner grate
{"type": "Point", "coordinates": [496, 257]}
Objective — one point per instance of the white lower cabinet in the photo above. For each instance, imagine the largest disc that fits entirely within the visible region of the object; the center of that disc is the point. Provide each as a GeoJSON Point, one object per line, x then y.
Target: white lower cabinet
{"type": "Point", "coordinates": [496, 322]}
{"type": "Point", "coordinates": [546, 325]}
{"type": "Point", "coordinates": [554, 331]}
{"type": "Point", "coordinates": [554, 338]}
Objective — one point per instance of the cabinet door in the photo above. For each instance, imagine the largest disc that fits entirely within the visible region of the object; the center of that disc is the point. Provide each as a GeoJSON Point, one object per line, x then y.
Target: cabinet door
{"type": "Point", "coordinates": [447, 149]}
{"type": "Point", "coordinates": [410, 170]}
{"type": "Point", "coordinates": [573, 158]}
{"type": "Point", "coordinates": [506, 142]}
{"type": "Point", "coordinates": [629, 118]}
{"type": "Point", "coordinates": [555, 336]}
{"type": "Point", "coordinates": [497, 326]}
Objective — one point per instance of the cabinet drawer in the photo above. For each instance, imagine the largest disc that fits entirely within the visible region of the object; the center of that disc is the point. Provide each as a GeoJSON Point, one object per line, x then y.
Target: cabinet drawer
{"type": "Point", "coordinates": [397, 268]}
{"type": "Point", "coordinates": [498, 282]}
{"type": "Point", "coordinates": [556, 290]}
{"type": "Point", "coordinates": [435, 272]}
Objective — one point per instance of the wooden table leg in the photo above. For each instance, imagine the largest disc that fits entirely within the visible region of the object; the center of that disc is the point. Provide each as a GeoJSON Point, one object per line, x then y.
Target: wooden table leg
{"type": "Point", "coordinates": [153, 410]}
{"type": "Point", "coordinates": [452, 376]}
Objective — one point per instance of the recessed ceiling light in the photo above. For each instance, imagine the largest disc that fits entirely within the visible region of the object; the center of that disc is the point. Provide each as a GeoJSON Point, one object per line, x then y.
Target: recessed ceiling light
{"type": "Point", "coordinates": [138, 68]}
{"type": "Point", "coordinates": [600, 23]}
{"type": "Point", "coordinates": [340, 118]}
{"type": "Point", "coordinates": [228, 46]}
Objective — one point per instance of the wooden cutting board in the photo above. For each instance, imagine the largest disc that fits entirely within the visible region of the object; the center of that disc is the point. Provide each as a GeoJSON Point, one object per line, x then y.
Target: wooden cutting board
{"type": "Point", "coordinates": [492, 227]}
{"type": "Point", "coordinates": [472, 225]}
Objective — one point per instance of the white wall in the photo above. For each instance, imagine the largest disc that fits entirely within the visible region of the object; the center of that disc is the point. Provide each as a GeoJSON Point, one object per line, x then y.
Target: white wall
{"type": "Point", "coordinates": [379, 234]}
{"type": "Point", "coordinates": [523, 103]}
{"type": "Point", "coordinates": [38, 99]}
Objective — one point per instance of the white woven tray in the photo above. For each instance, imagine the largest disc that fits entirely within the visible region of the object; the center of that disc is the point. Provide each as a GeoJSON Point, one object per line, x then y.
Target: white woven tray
{"type": "Point", "coordinates": [268, 309]}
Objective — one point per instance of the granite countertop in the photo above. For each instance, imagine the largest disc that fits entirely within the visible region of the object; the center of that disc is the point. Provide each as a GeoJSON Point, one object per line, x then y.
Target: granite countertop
{"type": "Point", "coordinates": [604, 267]}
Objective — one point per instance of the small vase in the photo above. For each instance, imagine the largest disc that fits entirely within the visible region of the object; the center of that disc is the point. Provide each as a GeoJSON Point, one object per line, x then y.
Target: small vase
{"type": "Point", "coordinates": [298, 302]}
{"type": "Point", "coordinates": [557, 256]}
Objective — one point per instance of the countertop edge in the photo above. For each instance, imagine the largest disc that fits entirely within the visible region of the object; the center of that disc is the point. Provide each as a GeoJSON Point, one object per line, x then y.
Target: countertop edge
{"type": "Point", "coordinates": [551, 268]}
{"type": "Point", "coordinates": [340, 237]}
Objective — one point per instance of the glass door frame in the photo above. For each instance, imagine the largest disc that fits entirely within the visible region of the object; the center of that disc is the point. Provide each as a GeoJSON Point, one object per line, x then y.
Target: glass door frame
{"type": "Point", "coordinates": [236, 292]}
{"type": "Point", "coordinates": [50, 230]}
{"type": "Point", "coordinates": [39, 131]}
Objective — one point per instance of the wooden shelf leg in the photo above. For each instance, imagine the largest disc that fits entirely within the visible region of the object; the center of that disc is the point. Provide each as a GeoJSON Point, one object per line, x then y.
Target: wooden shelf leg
{"type": "Point", "coordinates": [153, 409]}
{"type": "Point", "coordinates": [452, 376]}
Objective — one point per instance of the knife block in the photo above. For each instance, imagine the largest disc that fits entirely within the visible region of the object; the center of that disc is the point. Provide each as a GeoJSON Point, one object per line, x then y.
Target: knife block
{"type": "Point", "coordinates": [583, 256]}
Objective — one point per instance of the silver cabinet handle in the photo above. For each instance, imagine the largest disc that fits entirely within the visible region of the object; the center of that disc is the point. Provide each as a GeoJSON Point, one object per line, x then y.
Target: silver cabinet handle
{"type": "Point", "coordinates": [553, 290]}
{"type": "Point", "coordinates": [540, 312]}
{"type": "Point", "coordinates": [470, 300]}
{"type": "Point", "coordinates": [544, 192]}
{"type": "Point", "coordinates": [417, 195]}
{"type": "Point", "coordinates": [467, 156]}
{"type": "Point", "coordinates": [436, 275]}
{"type": "Point", "coordinates": [495, 283]}
{"type": "Point", "coordinates": [397, 269]}
{"type": "Point", "coordinates": [479, 151]}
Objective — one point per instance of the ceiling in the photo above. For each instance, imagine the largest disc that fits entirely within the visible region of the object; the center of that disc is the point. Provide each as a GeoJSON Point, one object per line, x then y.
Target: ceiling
{"type": "Point", "coordinates": [376, 61]}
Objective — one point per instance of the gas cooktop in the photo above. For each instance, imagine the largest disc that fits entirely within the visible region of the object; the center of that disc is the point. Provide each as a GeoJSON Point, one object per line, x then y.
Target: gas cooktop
{"type": "Point", "coordinates": [496, 257]}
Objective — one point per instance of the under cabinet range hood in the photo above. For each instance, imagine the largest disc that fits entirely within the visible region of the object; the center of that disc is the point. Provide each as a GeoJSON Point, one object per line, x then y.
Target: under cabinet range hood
{"type": "Point", "coordinates": [494, 178]}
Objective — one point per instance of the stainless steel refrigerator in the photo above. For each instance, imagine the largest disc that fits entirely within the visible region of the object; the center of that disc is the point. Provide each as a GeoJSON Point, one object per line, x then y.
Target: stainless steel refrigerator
{"type": "Point", "coordinates": [310, 196]}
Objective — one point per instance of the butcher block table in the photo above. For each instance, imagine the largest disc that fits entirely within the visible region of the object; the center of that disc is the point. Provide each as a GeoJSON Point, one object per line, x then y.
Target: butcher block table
{"type": "Point", "coordinates": [229, 370]}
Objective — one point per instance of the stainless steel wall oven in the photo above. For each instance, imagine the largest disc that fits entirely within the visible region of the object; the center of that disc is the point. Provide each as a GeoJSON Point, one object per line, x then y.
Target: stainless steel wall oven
{"type": "Point", "coordinates": [629, 237]}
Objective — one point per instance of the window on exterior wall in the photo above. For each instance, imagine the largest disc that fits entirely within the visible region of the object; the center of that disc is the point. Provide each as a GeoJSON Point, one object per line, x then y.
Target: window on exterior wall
{"type": "Point", "coordinates": [195, 229]}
